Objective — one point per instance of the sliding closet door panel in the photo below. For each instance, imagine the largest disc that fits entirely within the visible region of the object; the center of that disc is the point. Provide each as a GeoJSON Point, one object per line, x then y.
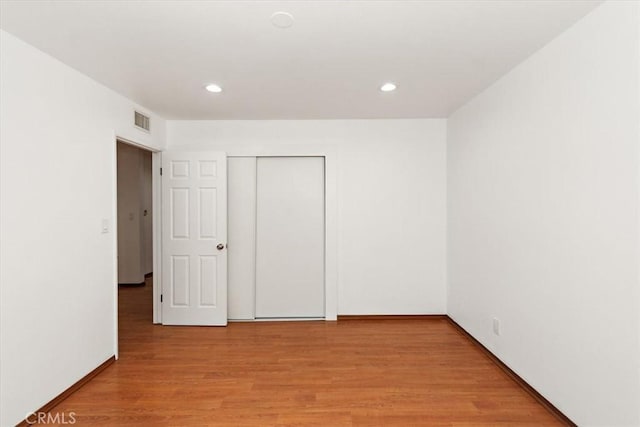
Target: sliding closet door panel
{"type": "Point", "coordinates": [242, 237]}
{"type": "Point", "coordinates": [290, 237]}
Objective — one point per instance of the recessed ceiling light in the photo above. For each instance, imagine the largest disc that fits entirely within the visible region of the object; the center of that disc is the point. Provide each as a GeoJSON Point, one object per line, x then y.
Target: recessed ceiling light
{"type": "Point", "coordinates": [388, 87]}
{"type": "Point", "coordinates": [213, 88]}
{"type": "Point", "coordinates": [282, 19]}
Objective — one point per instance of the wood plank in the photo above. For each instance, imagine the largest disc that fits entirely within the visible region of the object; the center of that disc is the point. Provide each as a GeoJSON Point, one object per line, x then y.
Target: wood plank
{"type": "Point", "coordinates": [68, 392]}
{"type": "Point", "coordinates": [355, 373]}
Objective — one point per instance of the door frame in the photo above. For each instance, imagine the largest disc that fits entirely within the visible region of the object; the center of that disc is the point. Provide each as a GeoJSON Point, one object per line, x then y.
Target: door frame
{"type": "Point", "coordinates": [329, 153]}
{"type": "Point", "coordinates": [156, 192]}
{"type": "Point", "coordinates": [330, 208]}
{"type": "Point", "coordinates": [156, 189]}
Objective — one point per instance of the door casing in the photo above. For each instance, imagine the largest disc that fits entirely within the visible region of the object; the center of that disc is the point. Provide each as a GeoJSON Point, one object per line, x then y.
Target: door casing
{"type": "Point", "coordinates": [331, 208]}
{"type": "Point", "coordinates": [243, 291]}
{"type": "Point", "coordinates": [331, 217]}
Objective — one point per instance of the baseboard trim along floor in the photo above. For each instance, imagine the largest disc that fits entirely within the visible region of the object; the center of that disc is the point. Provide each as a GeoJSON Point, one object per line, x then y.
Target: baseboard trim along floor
{"type": "Point", "coordinates": [392, 316]}
{"type": "Point", "coordinates": [68, 392]}
{"type": "Point", "coordinates": [508, 371]}
{"type": "Point", "coordinates": [515, 377]}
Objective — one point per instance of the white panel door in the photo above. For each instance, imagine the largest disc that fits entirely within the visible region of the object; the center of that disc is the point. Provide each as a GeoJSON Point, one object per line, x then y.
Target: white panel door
{"type": "Point", "coordinates": [194, 233]}
{"type": "Point", "coordinates": [242, 237]}
{"type": "Point", "coordinates": [290, 237]}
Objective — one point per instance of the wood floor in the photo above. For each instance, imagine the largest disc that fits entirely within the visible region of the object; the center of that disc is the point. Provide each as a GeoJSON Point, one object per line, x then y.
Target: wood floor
{"type": "Point", "coordinates": [355, 372]}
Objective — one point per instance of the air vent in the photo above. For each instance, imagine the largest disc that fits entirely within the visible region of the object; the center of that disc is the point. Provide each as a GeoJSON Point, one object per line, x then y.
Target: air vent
{"type": "Point", "coordinates": [142, 121]}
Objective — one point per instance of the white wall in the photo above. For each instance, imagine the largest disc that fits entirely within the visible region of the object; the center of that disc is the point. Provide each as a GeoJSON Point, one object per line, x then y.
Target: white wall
{"type": "Point", "coordinates": [638, 187]}
{"type": "Point", "coordinates": [391, 201]}
{"type": "Point", "coordinates": [543, 218]}
{"type": "Point", "coordinates": [57, 183]}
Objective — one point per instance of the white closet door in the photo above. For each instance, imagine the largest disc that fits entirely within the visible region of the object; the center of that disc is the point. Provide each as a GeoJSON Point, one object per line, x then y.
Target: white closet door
{"type": "Point", "coordinates": [290, 237]}
{"type": "Point", "coordinates": [242, 237]}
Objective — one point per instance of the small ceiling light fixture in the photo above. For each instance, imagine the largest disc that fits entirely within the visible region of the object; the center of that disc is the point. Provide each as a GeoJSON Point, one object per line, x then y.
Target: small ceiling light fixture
{"type": "Point", "coordinates": [213, 88]}
{"type": "Point", "coordinates": [388, 87]}
{"type": "Point", "coordinates": [282, 20]}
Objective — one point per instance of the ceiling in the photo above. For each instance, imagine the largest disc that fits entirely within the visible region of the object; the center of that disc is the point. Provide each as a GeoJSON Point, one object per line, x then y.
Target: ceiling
{"type": "Point", "coordinates": [328, 65]}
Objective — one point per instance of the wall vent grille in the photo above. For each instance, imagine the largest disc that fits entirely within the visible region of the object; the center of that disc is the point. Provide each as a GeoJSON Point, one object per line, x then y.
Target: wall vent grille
{"type": "Point", "coordinates": [142, 121]}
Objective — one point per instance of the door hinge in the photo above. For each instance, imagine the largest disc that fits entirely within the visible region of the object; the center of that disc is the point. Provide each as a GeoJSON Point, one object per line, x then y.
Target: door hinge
{"type": "Point", "coordinates": [160, 297]}
{"type": "Point", "coordinates": [160, 171]}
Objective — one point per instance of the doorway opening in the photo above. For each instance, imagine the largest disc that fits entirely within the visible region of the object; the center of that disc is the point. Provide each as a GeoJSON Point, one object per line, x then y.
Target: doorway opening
{"type": "Point", "coordinates": [134, 234]}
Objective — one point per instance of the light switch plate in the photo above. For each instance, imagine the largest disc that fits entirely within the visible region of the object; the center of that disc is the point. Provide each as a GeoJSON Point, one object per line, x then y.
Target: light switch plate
{"type": "Point", "coordinates": [496, 326]}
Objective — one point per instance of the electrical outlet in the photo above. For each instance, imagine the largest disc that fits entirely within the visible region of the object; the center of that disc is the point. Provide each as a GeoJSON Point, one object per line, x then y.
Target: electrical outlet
{"type": "Point", "coordinates": [496, 326]}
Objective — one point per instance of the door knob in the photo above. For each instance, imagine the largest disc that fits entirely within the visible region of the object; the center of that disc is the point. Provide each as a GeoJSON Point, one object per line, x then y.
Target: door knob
{"type": "Point", "coordinates": [220, 246]}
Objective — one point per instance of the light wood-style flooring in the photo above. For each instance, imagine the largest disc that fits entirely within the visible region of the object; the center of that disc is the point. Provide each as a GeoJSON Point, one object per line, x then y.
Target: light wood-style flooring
{"type": "Point", "coordinates": [346, 373]}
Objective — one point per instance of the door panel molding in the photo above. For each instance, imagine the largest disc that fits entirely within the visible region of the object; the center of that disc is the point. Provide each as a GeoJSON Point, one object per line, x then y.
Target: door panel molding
{"type": "Point", "coordinates": [194, 238]}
